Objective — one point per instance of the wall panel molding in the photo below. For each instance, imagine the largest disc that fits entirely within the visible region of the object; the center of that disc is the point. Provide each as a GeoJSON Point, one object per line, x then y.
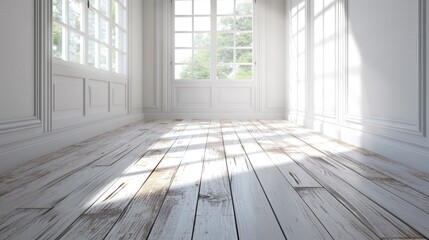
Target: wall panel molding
{"type": "Point", "coordinates": [380, 124]}
{"type": "Point", "coordinates": [42, 74]}
{"type": "Point", "coordinates": [192, 98]}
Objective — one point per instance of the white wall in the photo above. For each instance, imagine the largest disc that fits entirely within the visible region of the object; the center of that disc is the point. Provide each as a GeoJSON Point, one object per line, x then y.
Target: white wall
{"type": "Point", "coordinates": [45, 106]}
{"type": "Point", "coordinates": [261, 98]}
{"type": "Point", "coordinates": [357, 72]}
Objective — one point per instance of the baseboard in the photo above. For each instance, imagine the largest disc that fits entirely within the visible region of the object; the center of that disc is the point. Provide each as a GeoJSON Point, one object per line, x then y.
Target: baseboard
{"type": "Point", "coordinates": [251, 115]}
{"type": "Point", "coordinates": [409, 154]}
{"type": "Point", "coordinates": [17, 153]}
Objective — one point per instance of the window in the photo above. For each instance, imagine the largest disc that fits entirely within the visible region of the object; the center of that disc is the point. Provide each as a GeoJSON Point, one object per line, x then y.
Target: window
{"type": "Point", "coordinates": [92, 33]}
{"type": "Point", "coordinates": [213, 39]}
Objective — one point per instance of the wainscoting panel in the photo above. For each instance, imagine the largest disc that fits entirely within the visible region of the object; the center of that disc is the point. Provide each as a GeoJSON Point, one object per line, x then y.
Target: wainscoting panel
{"type": "Point", "coordinates": [235, 99]}
{"type": "Point", "coordinates": [98, 95]}
{"type": "Point", "coordinates": [384, 64]}
{"type": "Point", "coordinates": [119, 97]}
{"type": "Point", "coordinates": [68, 97]}
{"type": "Point", "coordinates": [192, 98]}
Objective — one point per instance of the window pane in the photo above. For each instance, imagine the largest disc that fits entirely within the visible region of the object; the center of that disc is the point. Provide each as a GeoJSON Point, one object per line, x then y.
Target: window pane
{"type": "Point", "coordinates": [244, 55]}
{"type": "Point", "coordinates": [183, 72]}
{"type": "Point", "coordinates": [96, 35]}
{"type": "Point", "coordinates": [122, 19]}
{"type": "Point", "coordinates": [183, 24]}
{"type": "Point", "coordinates": [225, 56]}
{"type": "Point", "coordinates": [122, 41]}
{"type": "Point", "coordinates": [183, 39]}
{"type": "Point", "coordinates": [244, 40]}
{"type": "Point", "coordinates": [123, 2]}
{"type": "Point", "coordinates": [202, 24]}
{"type": "Point", "coordinates": [119, 14]}
{"type": "Point", "coordinates": [225, 71]}
{"type": "Point", "coordinates": [104, 57]}
{"type": "Point", "coordinates": [115, 12]}
{"type": "Point", "coordinates": [225, 23]}
{"type": "Point", "coordinates": [118, 62]}
{"type": "Point", "coordinates": [104, 7]}
{"type": "Point", "coordinates": [225, 7]}
{"type": "Point", "coordinates": [92, 53]}
{"type": "Point", "coordinates": [233, 46]}
{"type": "Point", "coordinates": [75, 14]}
{"type": "Point", "coordinates": [57, 8]}
{"type": "Point", "coordinates": [94, 4]}
{"type": "Point", "coordinates": [115, 37]}
{"type": "Point", "coordinates": [202, 7]}
{"type": "Point", "coordinates": [202, 71]}
{"type": "Point", "coordinates": [201, 40]}
{"type": "Point", "coordinates": [244, 72]}
{"type": "Point", "coordinates": [123, 63]}
{"type": "Point", "coordinates": [92, 23]}
{"type": "Point", "coordinates": [115, 61]}
{"type": "Point", "coordinates": [244, 7]}
{"type": "Point", "coordinates": [183, 7]}
{"type": "Point", "coordinates": [244, 23]}
{"type": "Point", "coordinates": [183, 55]}
{"type": "Point", "coordinates": [57, 41]}
{"type": "Point", "coordinates": [202, 56]}
{"type": "Point", "coordinates": [104, 34]}
{"type": "Point", "coordinates": [225, 40]}
{"type": "Point", "coordinates": [75, 47]}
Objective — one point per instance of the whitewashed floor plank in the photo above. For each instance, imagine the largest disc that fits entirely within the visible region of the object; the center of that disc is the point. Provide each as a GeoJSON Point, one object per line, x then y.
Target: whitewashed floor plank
{"type": "Point", "coordinates": [102, 215]}
{"type": "Point", "coordinates": [211, 227]}
{"type": "Point", "coordinates": [139, 217]}
{"type": "Point", "coordinates": [254, 216]}
{"type": "Point", "coordinates": [297, 220]}
{"type": "Point", "coordinates": [258, 179]}
{"type": "Point", "coordinates": [18, 221]}
{"type": "Point", "coordinates": [407, 212]}
{"type": "Point", "coordinates": [296, 176]}
{"type": "Point", "coordinates": [61, 169]}
{"type": "Point", "coordinates": [215, 214]}
{"type": "Point", "coordinates": [394, 169]}
{"type": "Point", "coordinates": [42, 166]}
{"type": "Point", "coordinates": [58, 219]}
{"type": "Point", "coordinates": [341, 223]}
{"type": "Point", "coordinates": [177, 215]}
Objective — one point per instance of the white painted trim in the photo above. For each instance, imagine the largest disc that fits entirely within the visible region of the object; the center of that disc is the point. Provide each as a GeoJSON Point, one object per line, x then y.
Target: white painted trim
{"type": "Point", "coordinates": [18, 153]}
{"type": "Point", "coordinates": [211, 115]}
{"type": "Point", "coordinates": [129, 103]}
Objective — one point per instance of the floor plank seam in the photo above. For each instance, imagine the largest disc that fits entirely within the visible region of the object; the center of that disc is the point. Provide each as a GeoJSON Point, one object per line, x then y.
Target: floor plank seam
{"type": "Point", "coordinates": [229, 180]}
{"type": "Point", "coordinates": [265, 194]}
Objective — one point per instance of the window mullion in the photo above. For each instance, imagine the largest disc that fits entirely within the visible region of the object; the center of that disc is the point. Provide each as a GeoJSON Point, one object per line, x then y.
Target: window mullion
{"type": "Point", "coordinates": [213, 72]}
{"type": "Point", "coordinates": [86, 36]}
{"type": "Point", "coordinates": [109, 37]}
{"type": "Point", "coordinates": [193, 44]}
{"type": "Point", "coordinates": [67, 30]}
{"type": "Point", "coordinates": [234, 39]}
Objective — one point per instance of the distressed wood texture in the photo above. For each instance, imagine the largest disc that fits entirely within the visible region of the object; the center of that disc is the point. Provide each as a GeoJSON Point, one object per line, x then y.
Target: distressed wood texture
{"type": "Point", "coordinates": [255, 218]}
{"type": "Point", "coordinates": [202, 179]}
{"type": "Point", "coordinates": [215, 214]}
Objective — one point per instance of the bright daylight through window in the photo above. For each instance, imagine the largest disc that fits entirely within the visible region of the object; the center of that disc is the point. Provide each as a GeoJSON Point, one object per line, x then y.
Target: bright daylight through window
{"type": "Point", "coordinates": [92, 33]}
{"type": "Point", "coordinates": [213, 39]}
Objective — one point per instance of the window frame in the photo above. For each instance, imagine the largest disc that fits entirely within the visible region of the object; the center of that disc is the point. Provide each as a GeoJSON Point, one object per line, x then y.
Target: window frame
{"type": "Point", "coordinates": [64, 23]}
{"type": "Point", "coordinates": [213, 44]}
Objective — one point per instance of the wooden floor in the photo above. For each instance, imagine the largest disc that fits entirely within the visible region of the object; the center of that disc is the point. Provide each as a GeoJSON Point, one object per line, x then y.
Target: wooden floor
{"type": "Point", "coordinates": [213, 180]}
